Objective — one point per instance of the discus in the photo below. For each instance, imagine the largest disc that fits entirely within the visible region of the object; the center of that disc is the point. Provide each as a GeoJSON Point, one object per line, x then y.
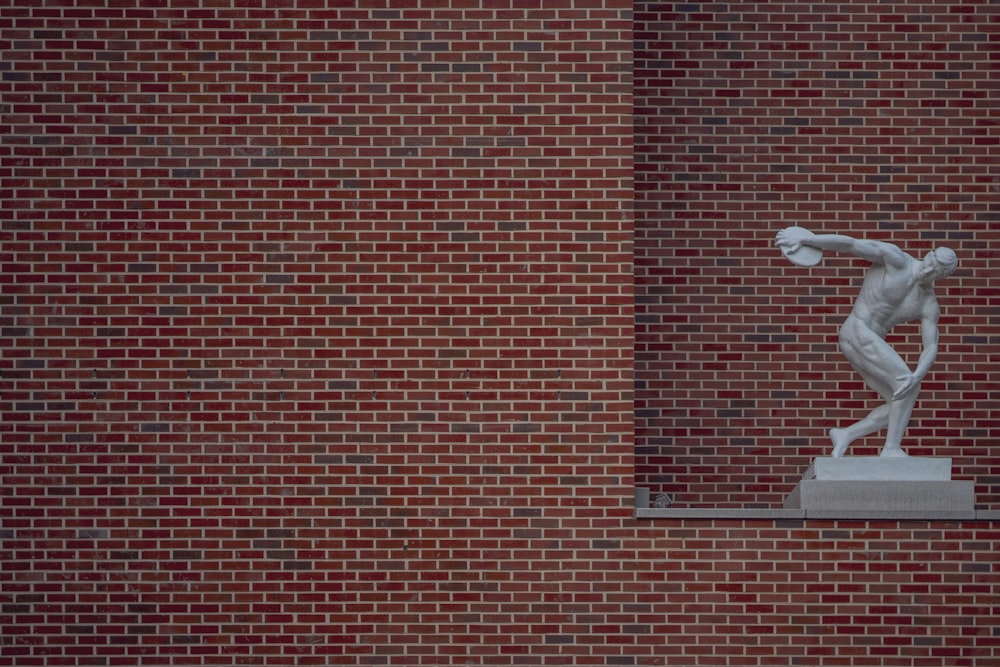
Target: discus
{"type": "Point", "coordinates": [804, 255]}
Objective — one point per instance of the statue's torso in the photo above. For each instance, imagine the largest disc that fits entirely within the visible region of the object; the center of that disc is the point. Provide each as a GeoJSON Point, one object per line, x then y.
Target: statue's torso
{"type": "Point", "coordinates": [890, 296]}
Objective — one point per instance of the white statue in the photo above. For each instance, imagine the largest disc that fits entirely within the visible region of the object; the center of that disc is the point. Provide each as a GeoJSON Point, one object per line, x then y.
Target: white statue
{"type": "Point", "coordinates": [897, 288]}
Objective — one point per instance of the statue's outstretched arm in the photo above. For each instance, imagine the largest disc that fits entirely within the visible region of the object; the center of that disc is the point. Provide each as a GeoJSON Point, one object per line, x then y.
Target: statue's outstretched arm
{"type": "Point", "coordinates": [873, 251]}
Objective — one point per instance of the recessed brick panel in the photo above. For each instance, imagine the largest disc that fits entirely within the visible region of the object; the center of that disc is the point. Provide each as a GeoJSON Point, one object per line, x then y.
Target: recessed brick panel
{"type": "Point", "coordinates": [871, 119]}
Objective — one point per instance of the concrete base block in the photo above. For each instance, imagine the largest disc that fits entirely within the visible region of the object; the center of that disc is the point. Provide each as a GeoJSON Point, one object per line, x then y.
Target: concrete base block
{"type": "Point", "coordinates": [877, 468]}
{"type": "Point", "coordinates": [871, 499]}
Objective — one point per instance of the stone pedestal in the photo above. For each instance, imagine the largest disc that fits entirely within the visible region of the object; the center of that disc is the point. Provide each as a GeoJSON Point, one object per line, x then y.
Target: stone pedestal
{"type": "Point", "coordinates": [870, 487]}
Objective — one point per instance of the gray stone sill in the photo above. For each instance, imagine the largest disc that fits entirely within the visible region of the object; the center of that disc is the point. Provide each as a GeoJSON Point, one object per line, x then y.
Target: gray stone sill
{"type": "Point", "coordinates": [778, 513]}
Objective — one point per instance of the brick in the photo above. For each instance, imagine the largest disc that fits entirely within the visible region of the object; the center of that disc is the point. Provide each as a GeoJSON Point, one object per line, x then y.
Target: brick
{"type": "Point", "coordinates": [318, 341]}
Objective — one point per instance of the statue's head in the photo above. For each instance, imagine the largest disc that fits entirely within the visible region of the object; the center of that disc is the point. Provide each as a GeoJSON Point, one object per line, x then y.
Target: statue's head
{"type": "Point", "coordinates": [939, 263]}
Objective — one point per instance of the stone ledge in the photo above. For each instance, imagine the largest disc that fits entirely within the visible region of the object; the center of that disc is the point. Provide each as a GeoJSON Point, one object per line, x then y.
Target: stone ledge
{"type": "Point", "coordinates": [779, 513]}
{"type": "Point", "coordinates": [717, 513]}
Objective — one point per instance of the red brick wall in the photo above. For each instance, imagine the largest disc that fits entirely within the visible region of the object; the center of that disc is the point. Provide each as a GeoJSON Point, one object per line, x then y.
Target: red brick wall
{"type": "Point", "coordinates": [317, 349]}
{"type": "Point", "coordinates": [315, 321]}
{"type": "Point", "coordinates": [874, 119]}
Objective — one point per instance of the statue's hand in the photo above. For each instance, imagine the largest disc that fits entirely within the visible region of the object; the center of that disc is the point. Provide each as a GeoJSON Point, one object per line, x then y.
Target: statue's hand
{"type": "Point", "coordinates": [788, 244]}
{"type": "Point", "coordinates": [907, 384]}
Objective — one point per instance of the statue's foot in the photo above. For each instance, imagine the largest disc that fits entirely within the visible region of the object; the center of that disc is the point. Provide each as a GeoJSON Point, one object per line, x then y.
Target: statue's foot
{"type": "Point", "coordinates": [840, 441]}
{"type": "Point", "coordinates": [893, 452]}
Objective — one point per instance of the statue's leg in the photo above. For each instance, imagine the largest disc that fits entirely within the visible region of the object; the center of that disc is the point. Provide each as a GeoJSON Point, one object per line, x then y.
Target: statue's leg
{"type": "Point", "coordinates": [876, 420]}
{"type": "Point", "coordinates": [899, 417]}
{"type": "Point", "coordinates": [879, 366]}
